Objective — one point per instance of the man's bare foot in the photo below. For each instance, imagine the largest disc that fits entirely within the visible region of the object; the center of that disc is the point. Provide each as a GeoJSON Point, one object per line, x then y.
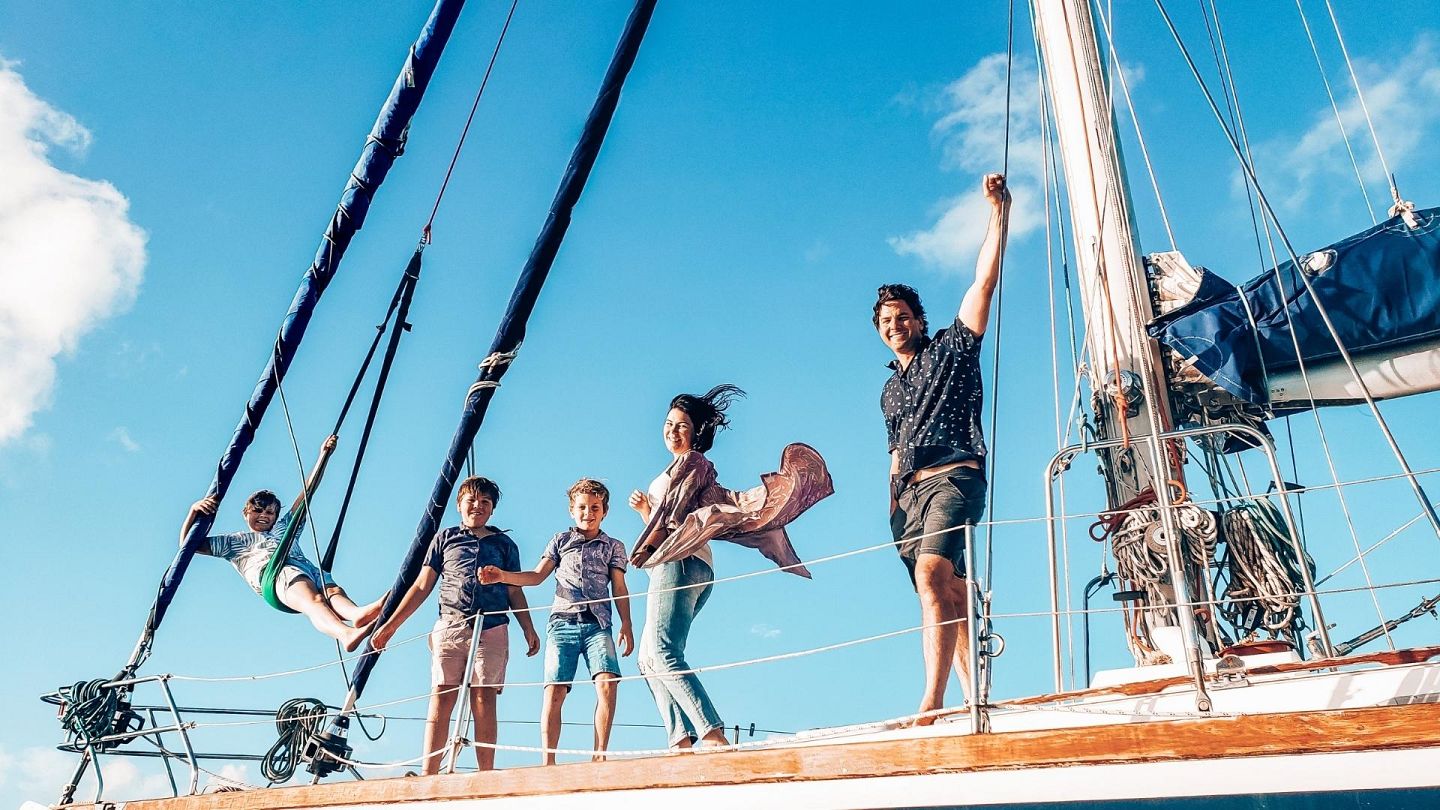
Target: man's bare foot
{"type": "Point", "coordinates": [927, 714]}
{"type": "Point", "coordinates": [597, 757]}
{"type": "Point", "coordinates": [370, 613]}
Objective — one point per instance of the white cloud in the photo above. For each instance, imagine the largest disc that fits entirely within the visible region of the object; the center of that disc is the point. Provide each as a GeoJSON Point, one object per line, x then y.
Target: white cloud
{"type": "Point", "coordinates": [765, 631]}
{"type": "Point", "coordinates": [1404, 100]}
{"type": "Point", "coordinates": [69, 255]}
{"type": "Point", "coordinates": [121, 436]}
{"type": "Point", "coordinates": [970, 130]}
{"type": "Point", "coordinates": [38, 774]}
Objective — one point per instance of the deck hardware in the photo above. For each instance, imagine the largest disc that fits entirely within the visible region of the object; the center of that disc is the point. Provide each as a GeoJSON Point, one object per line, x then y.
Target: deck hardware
{"type": "Point", "coordinates": [326, 751]}
{"type": "Point", "coordinates": [1230, 673]}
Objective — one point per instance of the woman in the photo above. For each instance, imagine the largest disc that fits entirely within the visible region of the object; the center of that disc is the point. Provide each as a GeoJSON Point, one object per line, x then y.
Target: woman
{"type": "Point", "coordinates": [686, 508]}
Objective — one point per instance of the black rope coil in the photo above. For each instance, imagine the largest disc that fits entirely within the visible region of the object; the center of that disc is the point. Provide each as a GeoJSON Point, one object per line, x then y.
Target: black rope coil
{"type": "Point", "coordinates": [93, 710]}
{"type": "Point", "coordinates": [296, 720]}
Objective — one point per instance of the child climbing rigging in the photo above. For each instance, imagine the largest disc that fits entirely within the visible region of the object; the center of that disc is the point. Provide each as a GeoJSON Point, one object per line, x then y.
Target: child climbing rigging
{"type": "Point", "coordinates": [300, 582]}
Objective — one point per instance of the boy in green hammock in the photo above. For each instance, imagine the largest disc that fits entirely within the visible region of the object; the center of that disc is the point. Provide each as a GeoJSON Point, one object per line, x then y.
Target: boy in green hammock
{"type": "Point", "coordinates": [300, 582]}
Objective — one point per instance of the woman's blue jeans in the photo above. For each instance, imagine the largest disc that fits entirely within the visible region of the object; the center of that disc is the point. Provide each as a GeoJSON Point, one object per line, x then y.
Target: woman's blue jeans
{"type": "Point", "coordinates": [684, 706]}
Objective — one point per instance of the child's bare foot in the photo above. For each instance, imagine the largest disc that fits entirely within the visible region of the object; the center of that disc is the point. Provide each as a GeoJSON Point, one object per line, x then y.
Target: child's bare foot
{"type": "Point", "coordinates": [370, 613]}
{"type": "Point", "coordinates": [356, 636]}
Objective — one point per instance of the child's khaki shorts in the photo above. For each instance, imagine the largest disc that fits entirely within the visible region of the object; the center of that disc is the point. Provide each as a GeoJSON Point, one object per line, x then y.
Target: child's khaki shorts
{"type": "Point", "coordinates": [449, 643]}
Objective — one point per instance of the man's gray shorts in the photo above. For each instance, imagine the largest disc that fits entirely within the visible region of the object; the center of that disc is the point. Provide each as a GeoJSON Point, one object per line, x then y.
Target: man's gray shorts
{"type": "Point", "coordinates": [925, 511]}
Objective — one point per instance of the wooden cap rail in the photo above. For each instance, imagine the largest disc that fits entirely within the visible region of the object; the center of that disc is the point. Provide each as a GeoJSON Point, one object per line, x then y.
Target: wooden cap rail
{"type": "Point", "coordinates": [1390, 727]}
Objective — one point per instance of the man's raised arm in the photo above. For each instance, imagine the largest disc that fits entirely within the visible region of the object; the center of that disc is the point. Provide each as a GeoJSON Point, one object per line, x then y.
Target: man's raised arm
{"type": "Point", "coordinates": [975, 307]}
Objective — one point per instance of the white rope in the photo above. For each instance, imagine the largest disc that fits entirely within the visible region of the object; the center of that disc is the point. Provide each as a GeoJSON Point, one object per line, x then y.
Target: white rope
{"type": "Point", "coordinates": [1063, 518]}
{"type": "Point", "coordinates": [376, 766]}
{"type": "Point", "coordinates": [1258, 574]}
{"type": "Point", "coordinates": [497, 359]}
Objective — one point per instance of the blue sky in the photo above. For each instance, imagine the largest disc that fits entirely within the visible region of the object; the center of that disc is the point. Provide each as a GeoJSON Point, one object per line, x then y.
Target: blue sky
{"type": "Point", "coordinates": [769, 166]}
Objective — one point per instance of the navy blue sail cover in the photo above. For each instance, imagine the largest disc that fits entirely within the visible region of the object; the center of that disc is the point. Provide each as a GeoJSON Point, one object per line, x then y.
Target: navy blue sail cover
{"type": "Point", "coordinates": [1381, 289]}
{"type": "Point", "coordinates": [384, 144]}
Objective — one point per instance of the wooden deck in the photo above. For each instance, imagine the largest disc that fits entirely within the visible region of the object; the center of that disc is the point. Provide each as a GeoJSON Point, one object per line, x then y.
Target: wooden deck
{"type": "Point", "coordinates": [1391, 727]}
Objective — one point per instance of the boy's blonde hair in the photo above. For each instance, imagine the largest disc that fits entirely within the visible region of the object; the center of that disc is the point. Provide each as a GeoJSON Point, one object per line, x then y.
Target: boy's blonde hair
{"type": "Point", "coordinates": [589, 486]}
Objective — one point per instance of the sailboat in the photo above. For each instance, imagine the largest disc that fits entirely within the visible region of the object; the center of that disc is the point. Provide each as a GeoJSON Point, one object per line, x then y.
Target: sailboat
{"type": "Point", "coordinates": [1263, 709]}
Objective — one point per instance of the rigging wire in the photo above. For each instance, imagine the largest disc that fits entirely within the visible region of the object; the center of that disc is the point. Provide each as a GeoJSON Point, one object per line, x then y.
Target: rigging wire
{"type": "Point", "coordinates": [465, 131]}
{"type": "Point", "coordinates": [1320, 308]}
{"type": "Point", "coordinates": [1046, 145]}
{"type": "Point", "coordinates": [1237, 124]}
{"type": "Point", "coordinates": [999, 309]}
{"type": "Point", "coordinates": [1119, 72]}
{"type": "Point", "coordinates": [1335, 108]}
{"type": "Point", "coordinates": [1369, 122]}
{"type": "Point", "coordinates": [1238, 121]}
{"type": "Point", "coordinates": [1232, 97]}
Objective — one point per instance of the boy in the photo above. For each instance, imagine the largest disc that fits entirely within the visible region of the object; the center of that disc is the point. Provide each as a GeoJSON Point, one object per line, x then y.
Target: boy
{"type": "Point", "coordinates": [591, 567]}
{"type": "Point", "coordinates": [300, 583]}
{"type": "Point", "coordinates": [455, 558]}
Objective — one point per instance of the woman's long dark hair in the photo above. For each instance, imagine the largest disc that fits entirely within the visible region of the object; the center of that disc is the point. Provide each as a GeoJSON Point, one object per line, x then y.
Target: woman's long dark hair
{"type": "Point", "coordinates": [707, 412]}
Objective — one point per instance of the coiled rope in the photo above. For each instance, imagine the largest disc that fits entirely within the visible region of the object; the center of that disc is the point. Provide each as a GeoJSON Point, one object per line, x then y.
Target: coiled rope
{"type": "Point", "coordinates": [1263, 571]}
{"type": "Point", "coordinates": [94, 709]}
{"type": "Point", "coordinates": [296, 720]}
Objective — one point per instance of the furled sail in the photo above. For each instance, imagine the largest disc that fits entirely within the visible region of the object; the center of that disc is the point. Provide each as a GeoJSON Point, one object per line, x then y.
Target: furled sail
{"type": "Point", "coordinates": [1381, 289]}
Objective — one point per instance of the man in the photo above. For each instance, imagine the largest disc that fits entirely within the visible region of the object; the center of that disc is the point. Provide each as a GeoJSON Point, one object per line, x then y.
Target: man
{"type": "Point", "coordinates": [932, 407]}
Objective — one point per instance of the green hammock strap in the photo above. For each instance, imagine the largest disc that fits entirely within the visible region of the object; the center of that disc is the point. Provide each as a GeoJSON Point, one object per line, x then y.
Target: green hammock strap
{"type": "Point", "coordinates": [279, 557]}
{"type": "Point", "coordinates": [299, 511]}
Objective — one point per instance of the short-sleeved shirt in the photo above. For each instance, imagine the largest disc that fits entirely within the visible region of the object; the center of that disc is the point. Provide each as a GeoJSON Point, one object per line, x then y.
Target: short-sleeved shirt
{"type": "Point", "coordinates": [582, 572]}
{"type": "Point", "coordinates": [458, 554]}
{"type": "Point", "coordinates": [932, 407]}
{"type": "Point", "coordinates": [250, 551]}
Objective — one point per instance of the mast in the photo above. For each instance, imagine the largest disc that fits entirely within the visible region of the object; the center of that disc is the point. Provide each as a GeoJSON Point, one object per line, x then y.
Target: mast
{"type": "Point", "coordinates": [1124, 369]}
{"type": "Point", "coordinates": [1130, 400]}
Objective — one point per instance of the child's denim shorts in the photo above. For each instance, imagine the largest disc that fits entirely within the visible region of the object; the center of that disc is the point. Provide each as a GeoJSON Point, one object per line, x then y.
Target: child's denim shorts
{"type": "Point", "coordinates": [566, 643]}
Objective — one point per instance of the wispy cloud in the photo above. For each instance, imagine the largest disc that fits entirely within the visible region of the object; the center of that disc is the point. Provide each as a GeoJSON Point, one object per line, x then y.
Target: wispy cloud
{"type": "Point", "coordinates": [69, 255]}
{"type": "Point", "coordinates": [1403, 94]}
{"type": "Point", "coordinates": [818, 251]}
{"type": "Point", "coordinates": [765, 631]}
{"type": "Point", "coordinates": [121, 436]}
{"type": "Point", "coordinates": [37, 774]}
{"type": "Point", "coordinates": [970, 130]}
